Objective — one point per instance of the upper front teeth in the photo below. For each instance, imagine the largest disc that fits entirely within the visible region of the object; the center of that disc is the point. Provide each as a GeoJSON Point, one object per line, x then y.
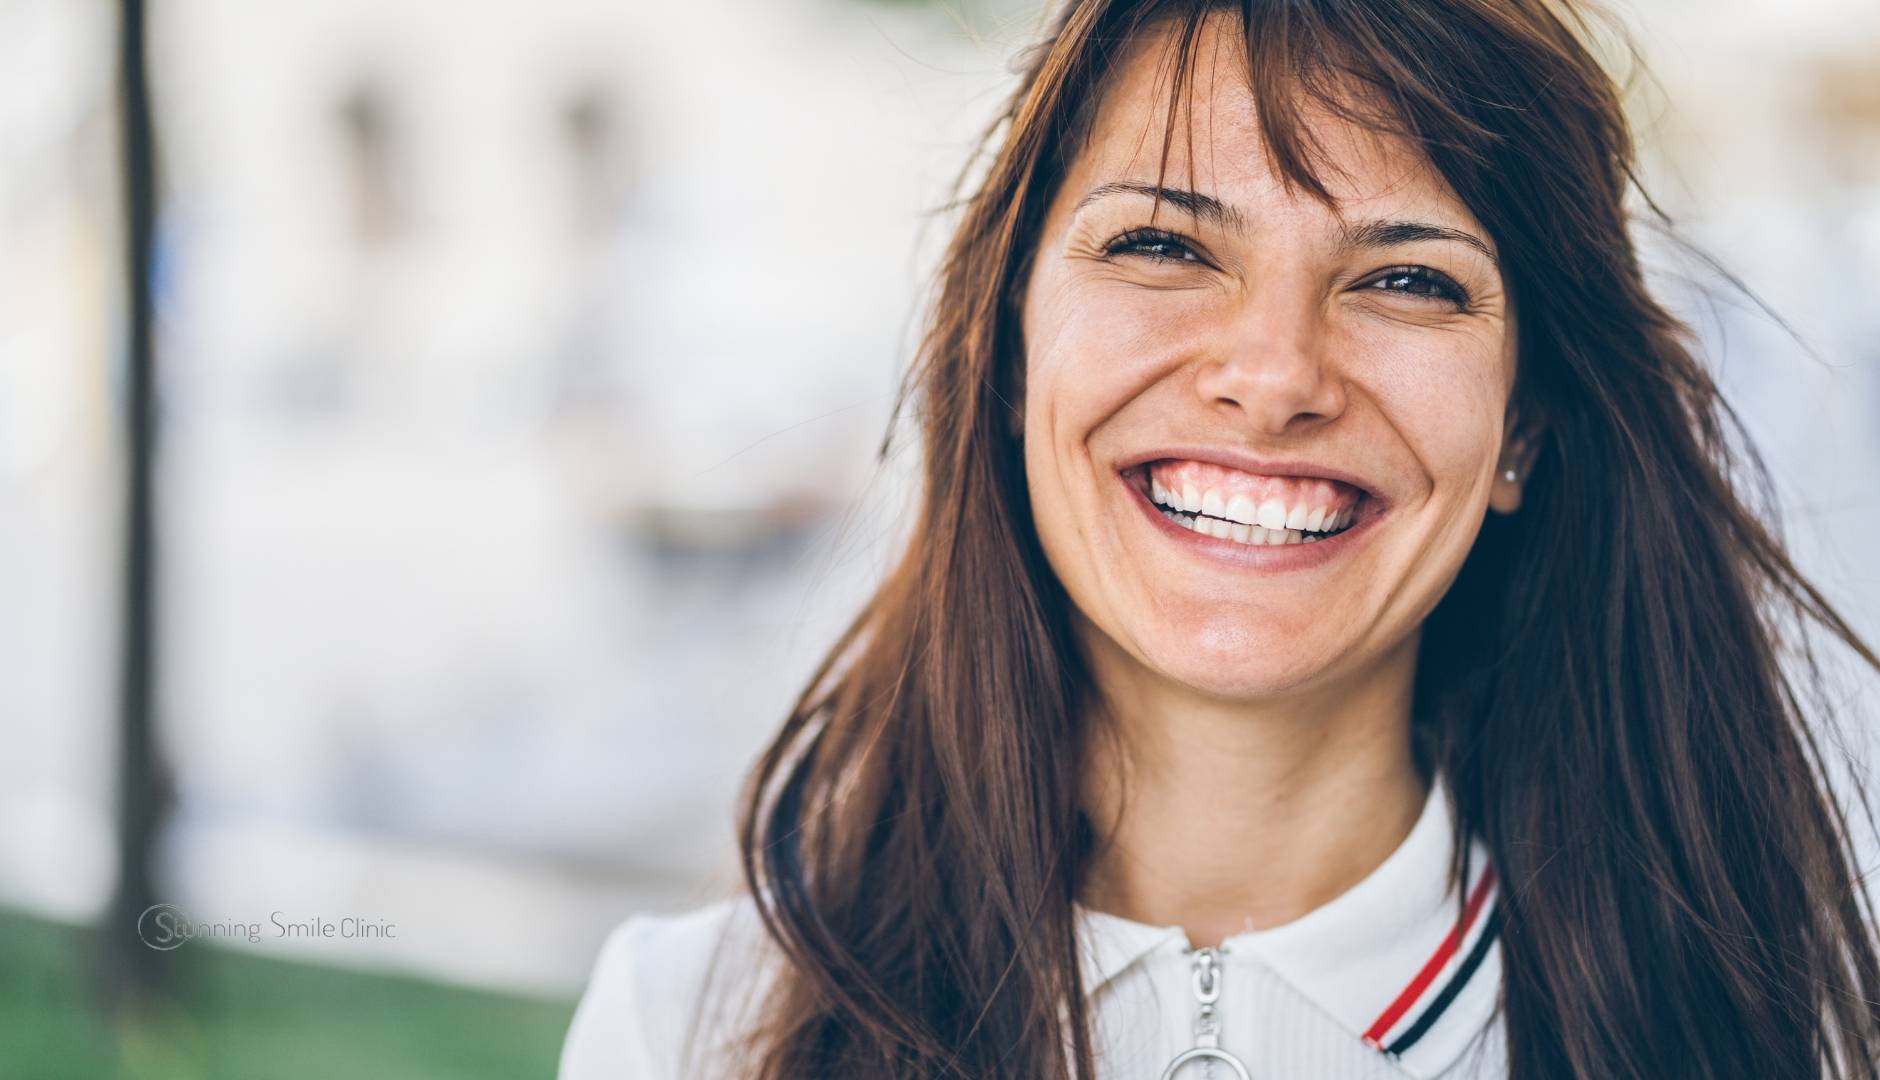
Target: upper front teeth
{"type": "Point", "coordinates": [1271, 514]}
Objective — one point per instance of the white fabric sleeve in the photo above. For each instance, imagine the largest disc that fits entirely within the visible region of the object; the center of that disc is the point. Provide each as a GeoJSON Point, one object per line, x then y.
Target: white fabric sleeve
{"type": "Point", "coordinates": [607, 1039]}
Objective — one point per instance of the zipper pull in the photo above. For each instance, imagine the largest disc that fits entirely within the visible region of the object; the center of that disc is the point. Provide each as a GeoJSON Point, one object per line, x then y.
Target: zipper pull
{"type": "Point", "coordinates": [1207, 983]}
{"type": "Point", "coordinates": [1207, 1051]}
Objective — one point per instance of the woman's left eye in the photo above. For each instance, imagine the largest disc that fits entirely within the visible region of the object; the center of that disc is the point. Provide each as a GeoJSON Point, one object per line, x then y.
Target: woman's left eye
{"type": "Point", "coordinates": [1421, 281]}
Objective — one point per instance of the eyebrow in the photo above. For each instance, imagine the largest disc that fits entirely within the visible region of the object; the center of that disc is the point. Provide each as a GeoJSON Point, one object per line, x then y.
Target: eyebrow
{"type": "Point", "coordinates": [1357, 236]}
{"type": "Point", "coordinates": [1196, 205]}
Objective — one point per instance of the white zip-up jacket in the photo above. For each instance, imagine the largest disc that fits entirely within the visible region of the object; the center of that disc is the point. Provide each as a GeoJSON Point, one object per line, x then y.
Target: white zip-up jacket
{"type": "Point", "coordinates": [1381, 983]}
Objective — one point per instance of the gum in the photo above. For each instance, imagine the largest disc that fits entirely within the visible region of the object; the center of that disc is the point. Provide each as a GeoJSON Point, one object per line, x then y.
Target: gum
{"type": "Point", "coordinates": [1310, 492]}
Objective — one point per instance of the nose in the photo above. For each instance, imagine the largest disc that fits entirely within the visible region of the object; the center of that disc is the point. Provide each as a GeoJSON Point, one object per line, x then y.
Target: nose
{"type": "Point", "coordinates": [1271, 368]}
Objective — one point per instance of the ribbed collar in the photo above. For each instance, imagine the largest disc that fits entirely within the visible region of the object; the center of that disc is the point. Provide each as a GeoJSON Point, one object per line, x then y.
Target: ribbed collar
{"type": "Point", "coordinates": [1388, 958]}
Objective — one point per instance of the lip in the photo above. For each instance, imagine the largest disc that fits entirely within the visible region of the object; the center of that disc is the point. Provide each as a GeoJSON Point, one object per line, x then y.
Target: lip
{"type": "Point", "coordinates": [1252, 463]}
{"type": "Point", "coordinates": [1262, 557]}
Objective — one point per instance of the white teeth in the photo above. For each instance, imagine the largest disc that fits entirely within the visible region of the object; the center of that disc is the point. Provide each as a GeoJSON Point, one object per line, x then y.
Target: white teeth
{"type": "Point", "coordinates": [1251, 535]}
{"type": "Point", "coordinates": [1238, 518]}
{"type": "Point", "coordinates": [1241, 508]}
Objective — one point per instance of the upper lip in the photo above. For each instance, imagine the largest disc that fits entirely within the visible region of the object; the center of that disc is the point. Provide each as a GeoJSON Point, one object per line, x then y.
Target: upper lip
{"type": "Point", "coordinates": [1231, 458]}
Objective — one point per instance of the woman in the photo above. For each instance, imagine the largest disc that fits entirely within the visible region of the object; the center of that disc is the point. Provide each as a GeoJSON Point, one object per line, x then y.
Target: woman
{"type": "Point", "coordinates": [1321, 527]}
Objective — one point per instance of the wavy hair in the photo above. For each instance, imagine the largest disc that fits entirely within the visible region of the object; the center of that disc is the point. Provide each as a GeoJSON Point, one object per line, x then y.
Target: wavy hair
{"type": "Point", "coordinates": [1615, 687]}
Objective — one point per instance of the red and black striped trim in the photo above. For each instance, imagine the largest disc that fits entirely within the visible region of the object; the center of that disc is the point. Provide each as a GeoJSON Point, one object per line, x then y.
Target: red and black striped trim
{"type": "Point", "coordinates": [1419, 986]}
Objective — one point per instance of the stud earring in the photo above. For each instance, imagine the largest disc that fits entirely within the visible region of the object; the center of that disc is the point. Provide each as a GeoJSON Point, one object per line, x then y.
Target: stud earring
{"type": "Point", "coordinates": [1508, 476]}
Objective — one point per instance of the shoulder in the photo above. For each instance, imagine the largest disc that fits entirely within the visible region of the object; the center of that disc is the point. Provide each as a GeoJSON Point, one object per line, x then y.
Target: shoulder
{"type": "Point", "coordinates": [669, 992]}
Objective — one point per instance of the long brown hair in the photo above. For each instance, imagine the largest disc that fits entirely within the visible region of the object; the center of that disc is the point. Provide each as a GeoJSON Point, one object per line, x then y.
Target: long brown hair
{"type": "Point", "coordinates": [1603, 687]}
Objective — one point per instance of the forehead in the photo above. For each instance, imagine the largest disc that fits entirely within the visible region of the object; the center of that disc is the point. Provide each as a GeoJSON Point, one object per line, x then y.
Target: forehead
{"type": "Point", "coordinates": [1214, 141]}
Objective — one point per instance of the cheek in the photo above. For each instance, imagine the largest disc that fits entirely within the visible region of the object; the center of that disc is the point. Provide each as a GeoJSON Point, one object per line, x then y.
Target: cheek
{"type": "Point", "coordinates": [1091, 351]}
{"type": "Point", "coordinates": [1445, 399]}
{"type": "Point", "coordinates": [1091, 355]}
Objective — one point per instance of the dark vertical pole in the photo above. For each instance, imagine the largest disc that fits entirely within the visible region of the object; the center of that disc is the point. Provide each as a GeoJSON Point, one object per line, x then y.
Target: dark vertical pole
{"type": "Point", "coordinates": [132, 968]}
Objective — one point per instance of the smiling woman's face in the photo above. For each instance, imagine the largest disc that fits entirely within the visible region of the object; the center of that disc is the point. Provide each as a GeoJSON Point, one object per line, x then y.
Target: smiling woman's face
{"type": "Point", "coordinates": [1260, 433]}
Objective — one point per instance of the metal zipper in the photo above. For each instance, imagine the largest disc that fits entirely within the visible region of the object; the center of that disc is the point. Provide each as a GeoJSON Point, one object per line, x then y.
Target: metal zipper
{"type": "Point", "coordinates": [1207, 1052]}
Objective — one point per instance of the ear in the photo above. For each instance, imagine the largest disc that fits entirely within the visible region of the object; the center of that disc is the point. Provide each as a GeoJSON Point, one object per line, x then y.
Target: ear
{"type": "Point", "coordinates": [1520, 445]}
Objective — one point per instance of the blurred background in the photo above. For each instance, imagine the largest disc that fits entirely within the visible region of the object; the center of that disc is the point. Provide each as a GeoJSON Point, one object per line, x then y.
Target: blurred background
{"type": "Point", "coordinates": [517, 373]}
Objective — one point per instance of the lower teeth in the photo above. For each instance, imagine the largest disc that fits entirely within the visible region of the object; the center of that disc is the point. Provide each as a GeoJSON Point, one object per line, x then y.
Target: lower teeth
{"type": "Point", "coordinates": [1292, 536]}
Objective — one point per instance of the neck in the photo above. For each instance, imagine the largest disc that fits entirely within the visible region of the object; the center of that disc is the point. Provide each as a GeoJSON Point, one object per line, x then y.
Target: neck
{"type": "Point", "coordinates": [1222, 817]}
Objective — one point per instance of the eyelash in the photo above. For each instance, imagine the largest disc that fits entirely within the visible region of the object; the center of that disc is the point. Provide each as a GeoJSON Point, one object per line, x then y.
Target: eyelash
{"type": "Point", "coordinates": [1445, 286]}
{"type": "Point", "coordinates": [1137, 241]}
{"type": "Point", "coordinates": [1134, 239]}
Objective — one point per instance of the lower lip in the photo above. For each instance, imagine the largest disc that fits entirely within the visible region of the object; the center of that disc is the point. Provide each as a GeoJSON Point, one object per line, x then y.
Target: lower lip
{"type": "Point", "coordinates": [1262, 557]}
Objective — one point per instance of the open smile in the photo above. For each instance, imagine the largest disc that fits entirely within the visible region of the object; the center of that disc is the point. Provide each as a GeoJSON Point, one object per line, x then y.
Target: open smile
{"type": "Point", "coordinates": [1276, 519]}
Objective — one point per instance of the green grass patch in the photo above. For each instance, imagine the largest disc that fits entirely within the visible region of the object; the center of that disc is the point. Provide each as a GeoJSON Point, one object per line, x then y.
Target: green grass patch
{"type": "Point", "coordinates": [229, 1015]}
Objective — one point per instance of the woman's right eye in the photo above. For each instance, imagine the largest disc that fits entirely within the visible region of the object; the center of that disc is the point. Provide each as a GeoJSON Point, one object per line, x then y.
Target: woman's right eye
{"type": "Point", "coordinates": [1153, 244]}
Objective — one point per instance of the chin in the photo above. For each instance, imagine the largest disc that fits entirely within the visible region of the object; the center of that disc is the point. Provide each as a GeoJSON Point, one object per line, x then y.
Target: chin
{"type": "Point", "coordinates": [1237, 660]}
